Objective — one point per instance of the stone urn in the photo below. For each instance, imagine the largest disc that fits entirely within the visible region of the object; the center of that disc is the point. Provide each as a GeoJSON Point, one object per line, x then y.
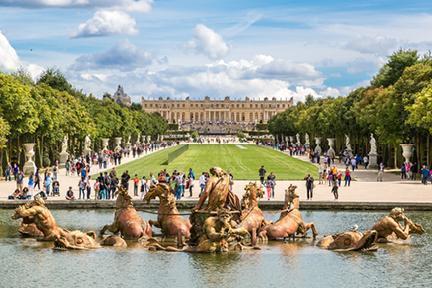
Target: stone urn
{"type": "Point", "coordinates": [318, 149]}
{"type": "Point", "coordinates": [29, 165]}
{"type": "Point", "coordinates": [407, 151]}
{"type": "Point", "coordinates": [331, 152]}
{"type": "Point", "coordinates": [291, 139]}
{"type": "Point", "coordinates": [104, 144]}
{"type": "Point", "coordinates": [117, 142]}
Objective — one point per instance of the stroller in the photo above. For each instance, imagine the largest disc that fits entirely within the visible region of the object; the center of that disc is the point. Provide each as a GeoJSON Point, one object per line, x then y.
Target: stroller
{"type": "Point", "coordinates": [56, 188]}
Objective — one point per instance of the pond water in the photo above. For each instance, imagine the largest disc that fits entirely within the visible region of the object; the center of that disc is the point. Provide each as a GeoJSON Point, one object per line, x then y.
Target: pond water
{"type": "Point", "coordinates": [28, 263]}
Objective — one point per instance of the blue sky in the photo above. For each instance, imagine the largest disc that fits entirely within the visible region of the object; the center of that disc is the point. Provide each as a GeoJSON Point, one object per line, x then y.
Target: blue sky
{"type": "Point", "coordinates": [217, 48]}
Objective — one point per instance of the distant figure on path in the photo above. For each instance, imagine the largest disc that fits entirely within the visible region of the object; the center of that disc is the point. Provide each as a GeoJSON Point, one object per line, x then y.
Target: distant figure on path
{"type": "Point", "coordinates": [380, 172]}
{"type": "Point", "coordinates": [262, 173]}
{"type": "Point", "coordinates": [335, 191]}
{"type": "Point", "coordinates": [309, 186]}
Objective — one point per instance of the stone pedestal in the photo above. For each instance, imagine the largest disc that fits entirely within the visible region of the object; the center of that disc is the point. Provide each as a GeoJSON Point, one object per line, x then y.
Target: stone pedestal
{"type": "Point", "coordinates": [29, 165]}
{"type": "Point", "coordinates": [117, 142]}
{"type": "Point", "coordinates": [331, 152]}
{"type": "Point", "coordinates": [373, 161]}
{"type": "Point", "coordinates": [63, 158]}
{"type": "Point", "coordinates": [407, 151]}
{"type": "Point", "coordinates": [144, 139]}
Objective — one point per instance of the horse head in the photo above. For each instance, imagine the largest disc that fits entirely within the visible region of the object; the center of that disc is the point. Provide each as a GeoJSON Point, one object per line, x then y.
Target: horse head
{"type": "Point", "coordinates": [124, 200]}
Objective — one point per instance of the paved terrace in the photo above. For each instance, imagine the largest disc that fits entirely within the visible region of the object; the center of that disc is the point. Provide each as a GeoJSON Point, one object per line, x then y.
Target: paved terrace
{"type": "Point", "coordinates": [364, 193]}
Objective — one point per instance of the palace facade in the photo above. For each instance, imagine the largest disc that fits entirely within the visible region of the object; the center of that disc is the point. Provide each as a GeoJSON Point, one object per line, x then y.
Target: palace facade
{"type": "Point", "coordinates": [208, 110]}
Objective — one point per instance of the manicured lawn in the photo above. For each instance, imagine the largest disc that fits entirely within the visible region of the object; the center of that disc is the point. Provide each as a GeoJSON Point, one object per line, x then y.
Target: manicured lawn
{"type": "Point", "coordinates": [243, 161]}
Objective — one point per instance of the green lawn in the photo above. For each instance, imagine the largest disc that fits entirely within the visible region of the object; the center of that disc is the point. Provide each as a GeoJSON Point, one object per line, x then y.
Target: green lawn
{"type": "Point", "coordinates": [243, 161]}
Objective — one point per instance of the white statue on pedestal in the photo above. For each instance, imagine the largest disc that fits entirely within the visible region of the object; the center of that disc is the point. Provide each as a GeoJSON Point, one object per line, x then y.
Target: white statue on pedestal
{"type": "Point", "coordinates": [307, 139]}
{"type": "Point", "coordinates": [87, 145]}
{"type": "Point", "coordinates": [372, 142]}
{"type": "Point", "coordinates": [64, 155]}
{"type": "Point", "coordinates": [298, 139]}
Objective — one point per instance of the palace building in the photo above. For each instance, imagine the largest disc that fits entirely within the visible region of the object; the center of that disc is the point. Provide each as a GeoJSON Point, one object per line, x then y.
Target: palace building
{"type": "Point", "coordinates": [211, 116]}
{"type": "Point", "coordinates": [208, 110]}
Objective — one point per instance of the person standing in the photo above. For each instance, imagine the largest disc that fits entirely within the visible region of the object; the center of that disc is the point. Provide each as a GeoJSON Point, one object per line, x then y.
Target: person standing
{"type": "Point", "coordinates": [82, 185]}
{"type": "Point", "coordinates": [202, 182]}
{"type": "Point", "coordinates": [67, 167]}
{"type": "Point", "coordinates": [262, 173]}
{"type": "Point", "coordinates": [8, 172]}
{"type": "Point", "coordinates": [37, 179]}
{"type": "Point", "coordinates": [425, 174]}
{"type": "Point", "coordinates": [366, 162]}
{"type": "Point", "coordinates": [48, 182]}
{"type": "Point", "coordinates": [309, 186]}
{"type": "Point", "coordinates": [271, 178]}
{"type": "Point", "coordinates": [143, 187]}
{"type": "Point", "coordinates": [380, 172]}
{"type": "Point", "coordinates": [20, 180]}
{"type": "Point", "coordinates": [30, 183]}
{"type": "Point", "coordinates": [136, 184]}
{"type": "Point", "coordinates": [125, 180]}
{"type": "Point", "coordinates": [55, 170]}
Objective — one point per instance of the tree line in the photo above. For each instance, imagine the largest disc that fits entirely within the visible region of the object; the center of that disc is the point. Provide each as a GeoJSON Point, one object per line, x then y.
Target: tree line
{"type": "Point", "coordinates": [45, 111]}
{"type": "Point", "coordinates": [396, 106]}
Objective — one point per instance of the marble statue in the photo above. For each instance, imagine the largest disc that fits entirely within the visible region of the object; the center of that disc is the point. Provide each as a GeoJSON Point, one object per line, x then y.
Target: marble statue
{"type": "Point", "coordinates": [64, 155]}
{"type": "Point", "coordinates": [307, 141]}
{"type": "Point", "coordinates": [372, 142]}
{"type": "Point", "coordinates": [298, 139]}
{"type": "Point", "coordinates": [87, 145]}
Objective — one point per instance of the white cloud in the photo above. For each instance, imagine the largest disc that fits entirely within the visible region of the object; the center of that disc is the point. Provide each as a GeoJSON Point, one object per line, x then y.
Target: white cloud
{"type": "Point", "coordinates": [107, 22]}
{"type": "Point", "coordinates": [9, 60]}
{"type": "Point", "coordinates": [377, 45]}
{"type": "Point", "coordinates": [123, 56]}
{"type": "Point", "coordinates": [127, 5]}
{"type": "Point", "coordinates": [206, 41]}
{"type": "Point", "coordinates": [237, 79]}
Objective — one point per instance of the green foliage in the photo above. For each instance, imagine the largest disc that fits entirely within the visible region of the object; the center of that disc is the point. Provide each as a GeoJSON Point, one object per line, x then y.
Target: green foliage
{"type": "Point", "coordinates": [393, 69]}
{"type": "Point", "coordinates": [51, 109]}
{"type": "Point", "coordinates": [421, 110]}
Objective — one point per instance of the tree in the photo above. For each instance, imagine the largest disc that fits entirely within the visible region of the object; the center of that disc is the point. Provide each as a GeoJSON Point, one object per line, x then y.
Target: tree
{"type": "Point", "coordinates": [393, 69]}
{"type": "Point", "coordinates": [55, 79]}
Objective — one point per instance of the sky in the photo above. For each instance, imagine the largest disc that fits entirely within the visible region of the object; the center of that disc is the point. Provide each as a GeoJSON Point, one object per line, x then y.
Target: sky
{"type": "Point", "coordinates": [178, 49]}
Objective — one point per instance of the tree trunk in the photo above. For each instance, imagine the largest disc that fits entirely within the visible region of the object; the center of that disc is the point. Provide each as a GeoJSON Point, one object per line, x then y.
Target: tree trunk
{"type": "Point", "coordinates": [427, 149]}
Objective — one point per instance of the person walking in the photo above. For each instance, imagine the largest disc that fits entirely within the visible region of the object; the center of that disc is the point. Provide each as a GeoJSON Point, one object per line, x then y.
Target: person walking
{"type": "Point", "coordinates": [48, 182]}
{"type": "Point", "coordinates": [37, 179]}
{"type": "Point", "coordinates": [261, 173]}
{"type": "Point", "coordinates": [309, 186]}
{"type": "Point", "coordinates": [335, 191]}
{"type": "Point", "coordinates": [366, 162]}
{"type": "Point", "coordinates": [347, 177]}
{"type": "Point", "coordinates": [30, 183]}
{"type": "Point", "coordinates": [403, 172]}
{"type": "Point", "coordinates": [143, 187]}
{"type": "Point", "coordinates": [125, 180]}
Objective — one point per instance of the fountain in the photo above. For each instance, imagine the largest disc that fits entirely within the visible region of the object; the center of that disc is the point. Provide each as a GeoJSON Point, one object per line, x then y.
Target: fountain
{"type": "Point", "coordinates": [29, 165]}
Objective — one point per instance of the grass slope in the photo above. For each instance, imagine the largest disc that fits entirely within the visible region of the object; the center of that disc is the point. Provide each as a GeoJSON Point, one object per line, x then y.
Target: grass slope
{"type": "Point", "coordinates": [243, 161]}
